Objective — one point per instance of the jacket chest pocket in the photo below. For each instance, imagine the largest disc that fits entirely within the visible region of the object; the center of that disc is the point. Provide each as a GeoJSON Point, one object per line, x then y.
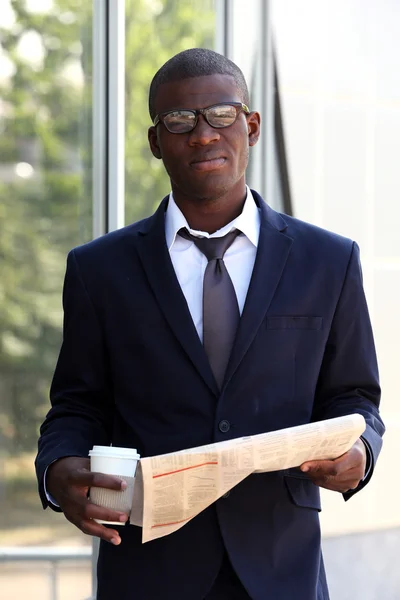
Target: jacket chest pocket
{"type": "Point", "coordinates": [294, 322]}
{"type": "Point", "coordinates": [297, 343]}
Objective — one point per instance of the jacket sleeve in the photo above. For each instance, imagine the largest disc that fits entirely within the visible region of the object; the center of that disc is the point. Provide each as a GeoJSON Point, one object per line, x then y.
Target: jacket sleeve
{"type": "Point", "coordinates": [348, 380]}
{"type": "Point", "coordinates": [82, 408]}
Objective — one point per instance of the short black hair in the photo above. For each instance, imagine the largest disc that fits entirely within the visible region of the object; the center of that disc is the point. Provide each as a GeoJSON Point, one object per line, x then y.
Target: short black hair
{"type": "Point", "coordinates": [196, 62]}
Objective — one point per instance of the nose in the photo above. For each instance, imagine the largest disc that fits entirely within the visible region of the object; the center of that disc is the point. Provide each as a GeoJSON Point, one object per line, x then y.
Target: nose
{"type": "Point", "coordinates": [203, 133]}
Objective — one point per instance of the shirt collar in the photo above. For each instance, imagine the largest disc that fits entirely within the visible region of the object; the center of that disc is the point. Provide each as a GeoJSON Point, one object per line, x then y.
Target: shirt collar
{"type": "Point", "coordinates": [248, 222]}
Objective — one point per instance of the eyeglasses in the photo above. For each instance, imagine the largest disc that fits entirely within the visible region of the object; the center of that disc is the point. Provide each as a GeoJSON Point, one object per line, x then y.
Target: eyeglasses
{"type": "Point", "coordinates": [217, 115]}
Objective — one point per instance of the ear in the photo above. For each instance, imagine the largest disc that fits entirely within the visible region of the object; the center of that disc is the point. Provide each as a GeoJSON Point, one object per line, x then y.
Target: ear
{"type": "Point", "coordinates": [153, 142]}
{"type": "Point", "coordinates": [253, 127]}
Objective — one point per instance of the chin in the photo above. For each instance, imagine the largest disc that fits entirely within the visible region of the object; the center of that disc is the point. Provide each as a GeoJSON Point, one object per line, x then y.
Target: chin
{"type": "Point", "coordinates": [209, 191]}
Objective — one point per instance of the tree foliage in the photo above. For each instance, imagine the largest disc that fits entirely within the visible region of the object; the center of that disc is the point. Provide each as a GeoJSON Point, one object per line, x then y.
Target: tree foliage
{"type": "Point", "coordinates": [155, 31]}
{"type": "Point", "coordinates": [45, 173]}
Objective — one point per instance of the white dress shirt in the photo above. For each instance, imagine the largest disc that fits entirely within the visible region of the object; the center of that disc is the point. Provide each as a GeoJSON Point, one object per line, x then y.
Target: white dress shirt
{"type": "Point", "coordinates": [190, 263]}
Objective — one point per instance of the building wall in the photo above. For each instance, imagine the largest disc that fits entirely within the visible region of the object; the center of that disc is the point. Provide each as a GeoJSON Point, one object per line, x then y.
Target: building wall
{"type": "Point", "coordinates": [338, 63]}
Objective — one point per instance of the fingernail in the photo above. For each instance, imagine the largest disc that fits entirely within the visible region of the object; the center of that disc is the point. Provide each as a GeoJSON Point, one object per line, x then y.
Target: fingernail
{"type": "Point", "coordinates": [305, 469]}
{"type": "Point", "coordinates": [116, 541]}
{"type": "Point", "coordinates": [123, 518]}
{"type": "Point", "coordinates": [124, 485]}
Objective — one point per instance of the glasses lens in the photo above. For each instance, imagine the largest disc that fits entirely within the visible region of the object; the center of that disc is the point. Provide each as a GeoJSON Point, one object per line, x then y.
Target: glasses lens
{"type": "Point", "coordinates": [180, 121]}
{"type": "Point", "coordinates": [222, 115]}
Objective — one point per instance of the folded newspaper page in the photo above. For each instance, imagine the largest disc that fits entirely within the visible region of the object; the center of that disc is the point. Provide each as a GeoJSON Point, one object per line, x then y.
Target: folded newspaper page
{"type": "Point", "coordinates": [171, 489]}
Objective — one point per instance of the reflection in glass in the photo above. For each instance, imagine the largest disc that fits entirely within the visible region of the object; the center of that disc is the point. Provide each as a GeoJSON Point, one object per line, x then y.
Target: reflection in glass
{"type": "Point", "coordinates": [155, 31]}
{"type": "Point", "coordinates": [45, 210]}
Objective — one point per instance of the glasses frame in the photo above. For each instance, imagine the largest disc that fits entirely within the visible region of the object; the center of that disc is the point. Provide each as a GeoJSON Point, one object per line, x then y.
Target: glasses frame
{"type": "Point", "coordinates": [201, 111]}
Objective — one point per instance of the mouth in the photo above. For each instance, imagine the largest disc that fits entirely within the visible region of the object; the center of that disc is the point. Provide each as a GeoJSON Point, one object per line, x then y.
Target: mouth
{"type": "Point", "coordinates": [208, 164]}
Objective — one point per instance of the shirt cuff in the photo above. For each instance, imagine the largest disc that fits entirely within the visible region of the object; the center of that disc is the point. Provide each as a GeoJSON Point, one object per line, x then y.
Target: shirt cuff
{"type": "Point", "coordinates": [49, 497]}
{"type": "Point", "coordinates": [368, 465]}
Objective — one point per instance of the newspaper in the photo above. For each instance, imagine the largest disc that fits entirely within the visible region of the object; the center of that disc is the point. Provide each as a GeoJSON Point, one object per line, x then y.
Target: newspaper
{"type": "Point", "coordinates": [171, 489]}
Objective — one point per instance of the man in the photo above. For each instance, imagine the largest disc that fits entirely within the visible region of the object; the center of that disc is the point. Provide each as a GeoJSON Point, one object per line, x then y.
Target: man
{"type": "Point", "coordinates": [171, 342]}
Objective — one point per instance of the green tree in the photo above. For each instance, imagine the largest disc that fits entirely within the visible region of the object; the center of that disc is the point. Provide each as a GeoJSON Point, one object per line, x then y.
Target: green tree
{"type": "Point", "coordinates": [45, 203]}
{"type": "Point", "coordinates": [155, 31]}
{"type": "Point", "coordinates": [45, 160]}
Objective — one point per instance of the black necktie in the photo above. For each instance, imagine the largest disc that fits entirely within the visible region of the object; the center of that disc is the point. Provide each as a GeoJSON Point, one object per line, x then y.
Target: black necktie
{"type": "Point", "coordinates": [220, 307]}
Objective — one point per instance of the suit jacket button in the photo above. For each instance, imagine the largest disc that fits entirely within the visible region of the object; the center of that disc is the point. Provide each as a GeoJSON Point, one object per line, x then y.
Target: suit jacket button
{"type": "Point", "coordinates": [224, 426]}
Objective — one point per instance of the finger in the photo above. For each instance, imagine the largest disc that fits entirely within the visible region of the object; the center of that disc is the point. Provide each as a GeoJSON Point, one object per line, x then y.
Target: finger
{"type": "Point", "coordinates": [84, 478]}
{"type": "Point", "coordinates": [93, 511]}
{"type": "Point", "coordinates": [79, 508]}
{"type": "Point", "coordinates": [97, 530]}
{"type": "Point", "coordinates": [83, 518]}
{"type": "Point", "coordinates": [326, 468]}
{"type": "Point", "coordinates": [341, 483]}
{"type": "Point", "coordinates": [338, 465]}
{"type": "Point", "coordinates": [338, 485]}
{"type": "Point", "coordinates": [84, 509]}
{"type": "Point", "coordinates": [353, 457]}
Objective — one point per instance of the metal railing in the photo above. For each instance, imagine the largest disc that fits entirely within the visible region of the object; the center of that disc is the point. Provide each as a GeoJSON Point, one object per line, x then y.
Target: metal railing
{"type": "Point", "coordinates": [53, 556]}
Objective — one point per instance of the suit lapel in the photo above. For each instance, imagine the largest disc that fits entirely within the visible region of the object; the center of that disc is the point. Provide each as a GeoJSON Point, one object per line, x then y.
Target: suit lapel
{"type": "Point", "coordinates": [156, 261]}
{"type": "Point", "coordinates": [272, 253]}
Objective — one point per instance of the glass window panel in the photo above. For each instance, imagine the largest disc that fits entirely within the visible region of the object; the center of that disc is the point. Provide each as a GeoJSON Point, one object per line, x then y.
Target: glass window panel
{"type": "Point", "coordinates": [155, 31]}
{"type": "Point", "coordinates": [45, 210]}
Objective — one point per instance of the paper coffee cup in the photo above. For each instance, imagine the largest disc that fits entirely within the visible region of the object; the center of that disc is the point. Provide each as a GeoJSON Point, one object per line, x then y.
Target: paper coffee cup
{"type": "Point", "coordinates": [121, 462]}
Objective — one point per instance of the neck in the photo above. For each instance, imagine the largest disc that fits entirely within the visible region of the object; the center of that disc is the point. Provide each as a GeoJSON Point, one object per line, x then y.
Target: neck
{"type": "Point", "coordinates": [211, 214]}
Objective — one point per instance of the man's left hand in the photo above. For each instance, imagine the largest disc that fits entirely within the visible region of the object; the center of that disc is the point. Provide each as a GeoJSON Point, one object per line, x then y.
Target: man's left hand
{"type": "Point", "coordinates": [341, 474]}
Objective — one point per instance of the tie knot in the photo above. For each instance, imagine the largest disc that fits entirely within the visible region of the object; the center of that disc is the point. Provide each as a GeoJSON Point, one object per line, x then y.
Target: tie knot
{"type": "Point", "coordinates": [212, 248]}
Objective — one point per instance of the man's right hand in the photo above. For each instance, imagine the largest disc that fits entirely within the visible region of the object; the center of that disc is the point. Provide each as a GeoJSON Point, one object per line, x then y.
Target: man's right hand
{"type": "Point", "coordinates": [68, 481]}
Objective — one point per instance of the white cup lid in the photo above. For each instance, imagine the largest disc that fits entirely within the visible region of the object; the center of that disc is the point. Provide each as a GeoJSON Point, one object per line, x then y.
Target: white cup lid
{"type": "Point", "coordinates": [114, 452]}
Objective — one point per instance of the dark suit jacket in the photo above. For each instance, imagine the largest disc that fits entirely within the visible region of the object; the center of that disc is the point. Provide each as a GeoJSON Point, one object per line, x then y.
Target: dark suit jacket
{"type": "Point", "coordinates": [132, 371]}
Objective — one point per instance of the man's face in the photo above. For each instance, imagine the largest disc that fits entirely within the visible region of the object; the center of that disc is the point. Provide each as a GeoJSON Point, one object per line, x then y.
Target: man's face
{"type": "Point", "coordinates": [205, 163]}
